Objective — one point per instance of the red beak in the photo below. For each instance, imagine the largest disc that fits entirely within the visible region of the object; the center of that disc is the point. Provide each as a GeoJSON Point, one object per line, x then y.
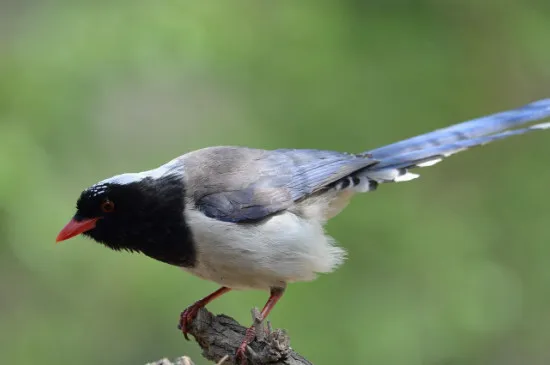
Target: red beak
{"type": "Point", "coordinates": [74, 228]}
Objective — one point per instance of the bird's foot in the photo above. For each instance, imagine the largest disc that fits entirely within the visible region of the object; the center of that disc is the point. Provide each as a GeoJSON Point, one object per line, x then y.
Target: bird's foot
{"type": "Point", "coordinates": [241, 351]}
{"type": "Point", "coordinates": [187, 316]}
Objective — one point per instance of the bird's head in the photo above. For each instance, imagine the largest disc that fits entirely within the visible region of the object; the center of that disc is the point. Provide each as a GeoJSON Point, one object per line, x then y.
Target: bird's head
{"type": "Point", "coordinates": [136, 212]}
{"type": "Point", "coordinates": [112, 213]}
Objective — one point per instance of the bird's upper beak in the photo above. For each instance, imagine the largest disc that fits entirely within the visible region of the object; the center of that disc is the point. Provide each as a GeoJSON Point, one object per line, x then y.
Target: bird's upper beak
{"type": "Point", "coordinates": [76, 227]}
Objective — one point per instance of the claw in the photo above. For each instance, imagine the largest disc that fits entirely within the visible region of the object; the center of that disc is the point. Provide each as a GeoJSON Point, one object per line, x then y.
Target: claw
{"type": "Point", "coordinates": [250, 334]}
{"type": "Point", "coordinates": [240, 354]}
{"type": "Point", "coordinates": [186, 317]}
{"type": "Point", "coordinates": [191, 312]}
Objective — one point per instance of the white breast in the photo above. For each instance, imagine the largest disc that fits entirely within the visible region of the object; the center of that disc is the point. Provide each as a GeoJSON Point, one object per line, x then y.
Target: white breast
{"type": "Point", "coordinates": [281, 249]}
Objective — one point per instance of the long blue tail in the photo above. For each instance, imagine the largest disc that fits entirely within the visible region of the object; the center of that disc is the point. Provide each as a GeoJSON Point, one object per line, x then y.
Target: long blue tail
{"type": "Point", "coordinates": [430, 148]}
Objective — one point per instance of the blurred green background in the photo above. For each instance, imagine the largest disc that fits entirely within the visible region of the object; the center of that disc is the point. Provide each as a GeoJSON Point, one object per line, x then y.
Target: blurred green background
{"type": "Point", "coordinates": [451, 269]}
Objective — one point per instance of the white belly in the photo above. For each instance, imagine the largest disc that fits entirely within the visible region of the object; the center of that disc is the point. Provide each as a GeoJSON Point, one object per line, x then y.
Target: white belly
{"type": "Point", "coordinates": [281, 249]}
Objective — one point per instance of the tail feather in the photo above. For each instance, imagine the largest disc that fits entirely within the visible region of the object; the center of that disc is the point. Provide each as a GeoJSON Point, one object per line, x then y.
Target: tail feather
{"type": "Point", "coordinates": [431, 148]}
{"type": "Point", "coordinates": [467, 130]}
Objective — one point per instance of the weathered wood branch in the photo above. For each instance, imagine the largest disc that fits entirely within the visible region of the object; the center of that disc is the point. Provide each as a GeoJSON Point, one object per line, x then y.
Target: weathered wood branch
{"type": "Point", "coordinates": [220, 336]}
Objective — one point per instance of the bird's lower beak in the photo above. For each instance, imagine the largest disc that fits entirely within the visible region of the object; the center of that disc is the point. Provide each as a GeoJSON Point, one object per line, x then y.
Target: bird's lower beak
{"type": "Point", "coordinates": [75, 227]}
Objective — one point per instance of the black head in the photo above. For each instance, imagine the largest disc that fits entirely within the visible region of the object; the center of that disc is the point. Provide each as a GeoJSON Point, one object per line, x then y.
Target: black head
{"type": "Point", "coordinates": [145, 215]}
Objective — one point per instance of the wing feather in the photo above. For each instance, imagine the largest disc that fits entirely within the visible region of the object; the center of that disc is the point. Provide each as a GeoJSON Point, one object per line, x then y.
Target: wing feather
{"type": "Point", "coordinates": [238, 184]}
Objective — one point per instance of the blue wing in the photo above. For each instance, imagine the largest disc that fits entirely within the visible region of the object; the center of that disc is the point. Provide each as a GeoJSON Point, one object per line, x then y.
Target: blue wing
{"type": "Point", "coordinates": [261, 183]}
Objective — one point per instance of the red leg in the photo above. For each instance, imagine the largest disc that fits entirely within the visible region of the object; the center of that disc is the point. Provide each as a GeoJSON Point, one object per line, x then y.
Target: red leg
{"type": "Point", "coordinates": [191, 312]}
{"type": "Point", "coordinates": [276, 294]}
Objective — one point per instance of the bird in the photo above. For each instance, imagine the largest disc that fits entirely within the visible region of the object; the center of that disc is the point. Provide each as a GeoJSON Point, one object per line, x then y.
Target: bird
{"type": "Point", "coordinates": [248, 218]}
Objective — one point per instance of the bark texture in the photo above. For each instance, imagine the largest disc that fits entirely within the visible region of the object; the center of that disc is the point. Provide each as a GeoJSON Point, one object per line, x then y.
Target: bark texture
{"type": "Point", "coordinates": [220, 336]}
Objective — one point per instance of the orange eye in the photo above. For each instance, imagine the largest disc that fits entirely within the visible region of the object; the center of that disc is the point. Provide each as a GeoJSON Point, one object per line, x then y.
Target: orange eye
{"type": "Point", "coordinates": [107, 206]}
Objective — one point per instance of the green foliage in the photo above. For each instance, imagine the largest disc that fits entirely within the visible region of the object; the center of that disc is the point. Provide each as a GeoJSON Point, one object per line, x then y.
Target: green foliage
{"type": "Point", "coordinates": [449, 269]}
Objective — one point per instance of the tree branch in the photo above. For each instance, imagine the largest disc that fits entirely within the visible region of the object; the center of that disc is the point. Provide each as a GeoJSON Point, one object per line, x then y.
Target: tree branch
{"type": "Point", "coordinates": [220, 336]}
